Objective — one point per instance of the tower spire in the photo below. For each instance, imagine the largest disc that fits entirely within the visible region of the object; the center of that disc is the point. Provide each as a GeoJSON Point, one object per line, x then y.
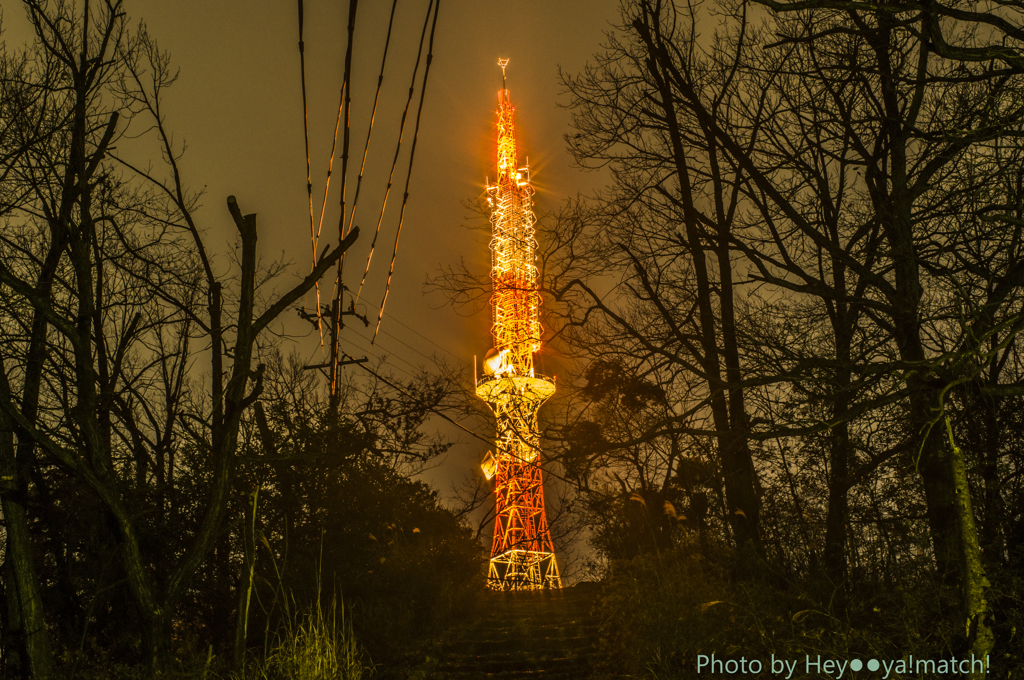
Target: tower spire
{"type": "Point", "coordinates": [503, 63]}
{"type": "Point", "coordinates": [522, 554]}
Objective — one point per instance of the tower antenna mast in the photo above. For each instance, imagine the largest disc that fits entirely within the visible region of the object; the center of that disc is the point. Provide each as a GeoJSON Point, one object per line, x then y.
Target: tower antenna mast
{"type": "Point", "coordinates": [522, 553]}
{"type": "Point", "coordinates": [503, 63]}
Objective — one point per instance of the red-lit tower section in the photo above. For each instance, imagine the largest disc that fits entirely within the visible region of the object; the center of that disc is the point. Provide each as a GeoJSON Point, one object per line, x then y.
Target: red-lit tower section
{"type": "Point", "coordinates": [522, 555]}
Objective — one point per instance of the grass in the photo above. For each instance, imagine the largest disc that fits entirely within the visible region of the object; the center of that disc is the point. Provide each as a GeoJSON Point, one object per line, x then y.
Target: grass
{"type": "Point", "coordinates": [314, 645]}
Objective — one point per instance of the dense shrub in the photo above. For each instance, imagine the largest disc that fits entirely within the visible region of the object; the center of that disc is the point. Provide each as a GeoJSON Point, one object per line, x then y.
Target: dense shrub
{"type": "Point", "coordinates": [380, 542]}
{"type": "Point", "coordinates": [660, 611]}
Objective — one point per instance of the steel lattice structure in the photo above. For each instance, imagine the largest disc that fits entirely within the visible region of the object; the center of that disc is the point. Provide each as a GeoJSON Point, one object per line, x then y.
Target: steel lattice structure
{"type": "Point", "coordinates": [522, 554]}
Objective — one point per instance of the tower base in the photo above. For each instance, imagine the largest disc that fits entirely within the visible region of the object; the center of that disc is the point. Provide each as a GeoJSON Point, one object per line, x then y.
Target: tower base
{"type": "Point", "coordinates": [523, 570]}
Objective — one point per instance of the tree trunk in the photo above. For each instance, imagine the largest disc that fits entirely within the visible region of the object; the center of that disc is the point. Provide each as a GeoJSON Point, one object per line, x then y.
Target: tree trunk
{"type": "Point", "coordinates": [156, 637]}
{"type": "Point", "coordinates": [12, 653]}
{"type": "Point", "coordinates": [939, 486]}
{"type": "Point", "coordinates": [844, 322]}
{"type": "Point", "coordinates": [726, 396]}
{"type": "Point", "coordinates": [23, 591]}
{"type": "Point", "coordinates": [245, 585]}
{"type": "Point", "coordinates": [993, 512]}
{"type": "Point", "coordinates": [974, 585]}
{"type": "Point", "coordinates": [24, 602]}
{"type": "Point", "coordinates": [834, 555]}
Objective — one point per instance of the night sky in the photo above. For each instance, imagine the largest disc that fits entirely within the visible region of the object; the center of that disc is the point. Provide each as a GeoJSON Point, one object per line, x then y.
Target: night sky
{"type": "Point", "coordinates": [238, 106]}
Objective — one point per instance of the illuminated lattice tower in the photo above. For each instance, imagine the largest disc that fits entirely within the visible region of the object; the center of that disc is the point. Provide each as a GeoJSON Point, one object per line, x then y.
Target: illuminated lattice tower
{"type": "Point", "coordinates": [522, 555]}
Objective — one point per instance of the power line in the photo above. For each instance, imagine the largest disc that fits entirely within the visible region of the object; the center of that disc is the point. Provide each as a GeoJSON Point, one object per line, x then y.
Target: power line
{"type": "Point", "coordinates": [433, 360]}
{"type": "Point", "coordinates": [408, 327]}
{"type": "Point", "coordinates": [369, 349]}
{"type": "Point", "coordinates": [490, 442]}
{"type": "Point", "coordinates": [436, 4]}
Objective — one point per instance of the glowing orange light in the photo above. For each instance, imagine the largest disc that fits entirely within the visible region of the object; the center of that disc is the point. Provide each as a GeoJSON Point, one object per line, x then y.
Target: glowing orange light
{"type": "Point", "coordinates": [522, 554]}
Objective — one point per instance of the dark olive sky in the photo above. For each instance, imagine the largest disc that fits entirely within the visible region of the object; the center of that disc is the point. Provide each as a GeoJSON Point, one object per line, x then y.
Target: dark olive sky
{"type": "Point", "coordinates": [238, 106]}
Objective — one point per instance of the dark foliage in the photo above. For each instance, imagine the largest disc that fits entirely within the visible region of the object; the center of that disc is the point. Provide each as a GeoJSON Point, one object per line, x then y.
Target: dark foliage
{"type": "Point", "coordinates": [660, 611]}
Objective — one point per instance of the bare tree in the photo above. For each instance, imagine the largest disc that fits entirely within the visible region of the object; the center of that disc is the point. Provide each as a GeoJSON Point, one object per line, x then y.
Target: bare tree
{"type": "Point", "coordinates": [849, 154]}
{"type": "Point", "coordinates": [111, 300]}
{"type": "Point", "coordinates": [667, 225]}
{"type": "Point", "coordinates": [918, 117]}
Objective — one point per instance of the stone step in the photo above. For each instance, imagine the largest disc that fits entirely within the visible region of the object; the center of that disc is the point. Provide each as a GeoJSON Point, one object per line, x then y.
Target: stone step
{"type": "Point", "coordinates": [503, 645]}
{"type": "Point", "coordinates": [541, 629]}
{"type": "Point", "coordinates": [524, 658]}
{"type": "Point", "coordinates": [522, 635]}
{"type": "Point", "coordinates": [520, 663]}
{"type": "Point", "coordinates": [572, 674]}
{"type": "Point", "coordinates": [534, 615]}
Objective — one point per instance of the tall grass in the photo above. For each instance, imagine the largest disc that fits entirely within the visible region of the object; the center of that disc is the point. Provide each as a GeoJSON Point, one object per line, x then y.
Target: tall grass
{"type": "Point", "coordinates": [313, 645]}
